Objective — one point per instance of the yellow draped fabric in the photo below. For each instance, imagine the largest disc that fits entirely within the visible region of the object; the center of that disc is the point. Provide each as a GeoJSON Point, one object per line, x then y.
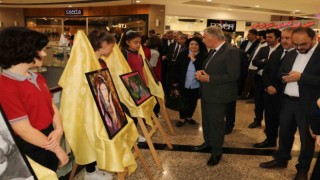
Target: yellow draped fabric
{"type": "Point", "coordinates": [41, 172]}
{"type": "Point", "coordinates": [156, 89]}
{"type": "Point", "coordinates": [83, 127]}
{"type": "Point", "coordinates": [118, 65]}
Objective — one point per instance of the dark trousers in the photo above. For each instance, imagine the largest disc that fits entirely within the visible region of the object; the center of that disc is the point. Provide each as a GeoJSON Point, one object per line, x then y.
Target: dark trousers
{"type": "Point", "coordinates": [230, 114]}
{"type": "Point", "coordinates": [258, 98]}
{"type": "Point", "coordinates": [213, 125]}
{"type": "Point", "coordinates": [272, 115]}
{"type": "Point", "coordinates": [188, 102]}
{"type": "Point", "coordinates": [316, 170]}
{"type": "Point", "coordinates": [292, 116]}
{"type": "Point", "coordinates": [44, 157]}
{"type": "Point", "coordinates": [249, 83]}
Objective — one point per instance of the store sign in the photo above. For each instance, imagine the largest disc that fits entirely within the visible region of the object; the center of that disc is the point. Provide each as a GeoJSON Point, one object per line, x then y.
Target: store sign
{"type": "Point", "coordinates": [229, 26]}
{"type": "Point", "coordinates": [120, 25]}
{"type": "Point", "coordinates": [73, 12]}
{"type": "Point", "coordinates": [282, 25]}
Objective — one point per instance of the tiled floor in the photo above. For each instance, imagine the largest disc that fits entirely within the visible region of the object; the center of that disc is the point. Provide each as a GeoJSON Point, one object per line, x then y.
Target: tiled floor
{"type": "Point", "coordinates": [239, 161]}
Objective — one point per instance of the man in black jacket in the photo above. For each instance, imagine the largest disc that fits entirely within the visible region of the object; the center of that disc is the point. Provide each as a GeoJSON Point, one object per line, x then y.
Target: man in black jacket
{"type": "Point", "coordinates": [272, 86]}
{"type": "Point", "coordinates": [300, 73]}
{"type": "Point", "coordinates": [273, 40]}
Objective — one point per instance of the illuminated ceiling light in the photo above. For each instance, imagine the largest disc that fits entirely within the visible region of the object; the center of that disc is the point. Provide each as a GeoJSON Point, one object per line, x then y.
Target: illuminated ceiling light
{"type": "Point", "coordinates": [208, 0]}
{"type": "Point", "coordinates": [138, 1]}
{"type": "Point", "coordinates": [0, 1]}
{"type": "Point", "coordinates": [297, 10]}
{"type": "Point", "coordinates": [256, 6]}
{"type": "Point", "coordinates": [229, 9]}
{"type": "Point", "coordinates": [70, 6]}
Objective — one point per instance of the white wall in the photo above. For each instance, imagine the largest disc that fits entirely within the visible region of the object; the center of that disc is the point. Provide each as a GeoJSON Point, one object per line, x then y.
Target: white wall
{"type": "Point", "coordinates": [210, 13]}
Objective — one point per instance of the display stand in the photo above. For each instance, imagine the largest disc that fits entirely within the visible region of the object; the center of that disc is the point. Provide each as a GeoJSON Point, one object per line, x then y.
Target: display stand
{"type": "Point", "coordinates": [122, 175]}
{"type": "Point", "coordinates": [165, 115]}
{"type": "Point", "coordinates": [148, 136]}
{"type": "Point", "coordinates": [156, 90]}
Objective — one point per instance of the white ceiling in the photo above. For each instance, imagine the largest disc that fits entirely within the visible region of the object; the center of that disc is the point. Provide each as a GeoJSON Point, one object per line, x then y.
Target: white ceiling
{"type": "Point", "coordinates": [310, 8]}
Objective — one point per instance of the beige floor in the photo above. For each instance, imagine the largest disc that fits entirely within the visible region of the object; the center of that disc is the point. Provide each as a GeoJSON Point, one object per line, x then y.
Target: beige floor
{"type": "Point", "coordinates": [180, 165]}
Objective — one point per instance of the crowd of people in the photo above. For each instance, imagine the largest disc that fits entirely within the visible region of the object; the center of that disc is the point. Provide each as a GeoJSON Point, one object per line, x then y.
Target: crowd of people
{"type": "Point", "coordinates": [280, 70]}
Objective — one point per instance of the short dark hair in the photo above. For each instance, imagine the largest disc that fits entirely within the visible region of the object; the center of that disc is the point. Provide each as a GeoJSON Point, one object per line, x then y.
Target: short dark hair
{"type": "Point", "coordinates": [97, 37]}
{"type": "Point", "coordinates": [311, 33]}
{"type": "Point", "coordinates": [127, 36]}
{"type": "Point", "coordinates": [262, 33]}
{"type": "Point", "coordinates": [202, 46]}
{"type": "Point", "coordinates": [152, 31]}
{"type": "Point", "coordinates": [253, 31]}
{"type": "Point", "coordinates": [20, 45]}
{"type": "Point", "coordinates": [154, 42]}
{"type": "Point", "coordinates": [144, 39]}
{"type": "Point", "coordinates": [276, 32]}
{"type": "Point", "coordinates": [228, 37]}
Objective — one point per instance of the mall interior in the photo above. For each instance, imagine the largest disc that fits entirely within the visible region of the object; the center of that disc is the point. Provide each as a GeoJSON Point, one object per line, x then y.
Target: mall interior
{"type": "Point", "coordinates": [169, 152]}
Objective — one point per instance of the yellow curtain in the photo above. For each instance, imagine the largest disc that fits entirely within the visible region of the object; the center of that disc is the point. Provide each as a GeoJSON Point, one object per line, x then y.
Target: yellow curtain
{"type": "Point", "coordinates": [118, 65]}
{"type": "Point", "coordinates": [83, 127]}
{"type": "Point", "coordinates": [41, 172]}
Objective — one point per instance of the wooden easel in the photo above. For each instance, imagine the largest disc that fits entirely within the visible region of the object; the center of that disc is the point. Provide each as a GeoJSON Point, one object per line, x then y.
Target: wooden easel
{"type": "Point", "coordinates": [165, 115]}
{"type": "Point", "coordinates": [122, 175]}
{"type": "Point", "coordinates": [148, 136]}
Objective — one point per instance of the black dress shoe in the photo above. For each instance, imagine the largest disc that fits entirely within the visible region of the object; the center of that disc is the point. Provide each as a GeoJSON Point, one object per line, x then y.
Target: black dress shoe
{"type": "Point", "coordinates": [228, 131]}
{"type": "Point", "coordinates": [214, 160]}
{"type": "Point", "coordinates": [202, 147]}
{"type": "Point", "coordinates": [191, 121]}
{"type": "Point", "coordinates": [301, 175]}
{"type": "Point", "coordinates": [254, 124]}
{"type": "Point", "coordinates": [274, 164]}
{"type": "Point", "coordinates": [265, 144]}
{"type": "Point", "coordinates": [180, 123]}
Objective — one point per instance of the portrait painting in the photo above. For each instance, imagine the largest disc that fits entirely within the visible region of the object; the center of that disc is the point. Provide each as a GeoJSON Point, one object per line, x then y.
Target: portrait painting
{"type": "Point", "coordinates": [107, 101]}
{"type": "Point", "coordinates": [13, 163]}
{"type": "Point", "coordinates": [136, 87]}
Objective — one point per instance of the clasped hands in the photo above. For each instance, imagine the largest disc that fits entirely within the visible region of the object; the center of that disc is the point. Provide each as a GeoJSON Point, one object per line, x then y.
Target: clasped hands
{"type": "Point", "coordinates": [53, 145]}
{"type": "Point", "coordinates": [202, 76]}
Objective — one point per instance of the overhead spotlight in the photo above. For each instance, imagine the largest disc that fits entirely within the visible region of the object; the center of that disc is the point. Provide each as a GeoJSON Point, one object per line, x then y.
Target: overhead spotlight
{"type": "Point", "coordinates": [69, 6]}
{"type": "Point", "coordinates": [208, 0]}
{"type": "Point", "coordinates": [138, 1]}
{"type": "Point", "coordinates": [256, 6]}
{"type": "Point", "coordinates": [229, 9]}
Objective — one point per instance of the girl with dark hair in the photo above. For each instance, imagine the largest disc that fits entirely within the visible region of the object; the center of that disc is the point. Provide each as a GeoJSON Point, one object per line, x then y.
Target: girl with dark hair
{"type": "Point", "coordinates": [130, 44]}
{"type": "Point", "coordinates": [26, 99]}
{"type": "Point", "coordinates": [188, 62]}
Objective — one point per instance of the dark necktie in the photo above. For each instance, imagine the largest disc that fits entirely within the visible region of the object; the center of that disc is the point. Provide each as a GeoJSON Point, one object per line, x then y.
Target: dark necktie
{"type": "Point", "coordinates": [210, 55]}
{"type": "Point", "coordinates": [175, 54]}
{"type": "Point", "coordinates": [284, 55]}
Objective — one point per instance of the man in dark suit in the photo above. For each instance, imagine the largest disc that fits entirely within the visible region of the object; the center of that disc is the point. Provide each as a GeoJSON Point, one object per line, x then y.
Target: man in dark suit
{"type": "Point", "coordinates": [273, 40]}
{"type": "Point", "coordinates": [273, 93]}
{"type": "Point", "coordinates": [221, 70]}
{"type": "Point", "coordinates": [300, 73]}
{"type": "Point", "coordinates": [164, 52]}
{"type": "Point", "coordinates": [249, 45]}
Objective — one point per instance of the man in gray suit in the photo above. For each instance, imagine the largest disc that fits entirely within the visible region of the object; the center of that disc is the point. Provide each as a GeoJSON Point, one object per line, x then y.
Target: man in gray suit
{"type": "Point", "coordinates": [219, 76]}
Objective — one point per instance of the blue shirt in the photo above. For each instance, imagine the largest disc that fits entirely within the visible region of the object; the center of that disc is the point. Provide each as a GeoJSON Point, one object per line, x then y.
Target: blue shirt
{"type": "Point", "coordinates": [191, 82]}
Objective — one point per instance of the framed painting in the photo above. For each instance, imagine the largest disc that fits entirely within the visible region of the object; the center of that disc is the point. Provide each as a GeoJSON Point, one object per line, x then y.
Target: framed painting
{"type": "Point", "coordinates": [13, 163]}
{"type": "Point", "coordinates": [136, 87]}
{"type": "Point", "coordinates": [107, 101]}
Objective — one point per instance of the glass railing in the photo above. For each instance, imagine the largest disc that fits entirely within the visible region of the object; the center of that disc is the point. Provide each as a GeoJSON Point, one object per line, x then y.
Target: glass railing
{"type": "Point", "coordinates": [57, 56]}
